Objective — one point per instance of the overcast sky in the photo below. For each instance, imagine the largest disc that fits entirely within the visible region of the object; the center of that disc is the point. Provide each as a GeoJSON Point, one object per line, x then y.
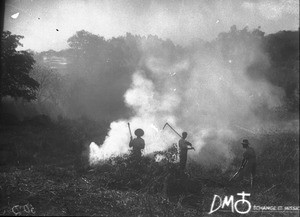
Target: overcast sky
{"type": "Point", "coordinates": [47, 24]}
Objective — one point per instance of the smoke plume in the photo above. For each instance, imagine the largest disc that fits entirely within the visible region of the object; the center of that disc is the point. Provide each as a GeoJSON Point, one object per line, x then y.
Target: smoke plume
{"type": "Point", "coordinates": [202, 94]}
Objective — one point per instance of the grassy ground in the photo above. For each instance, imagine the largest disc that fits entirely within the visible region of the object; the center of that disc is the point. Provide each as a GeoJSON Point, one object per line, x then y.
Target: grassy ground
{"type": "Point", "coordinates": [44, 180]}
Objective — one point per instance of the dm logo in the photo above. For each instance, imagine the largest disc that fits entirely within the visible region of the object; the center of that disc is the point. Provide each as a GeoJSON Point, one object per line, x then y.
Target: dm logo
{"type": "Point", "coordinates": [230, 202]}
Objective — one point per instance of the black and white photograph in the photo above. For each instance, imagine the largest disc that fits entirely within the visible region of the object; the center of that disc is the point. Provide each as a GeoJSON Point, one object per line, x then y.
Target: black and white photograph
{"type": "Point", "coordinates": [149, 108]}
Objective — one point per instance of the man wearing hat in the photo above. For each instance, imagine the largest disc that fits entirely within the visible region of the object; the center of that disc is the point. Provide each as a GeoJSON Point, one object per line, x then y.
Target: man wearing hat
{"type": "Point", "coordinates": [248, 166]}
{"type": "Point", "coordinates": [137, 144]}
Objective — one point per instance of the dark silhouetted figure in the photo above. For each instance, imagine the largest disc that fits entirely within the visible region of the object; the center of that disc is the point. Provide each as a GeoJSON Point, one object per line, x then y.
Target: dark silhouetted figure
{"type": "Point", "coordinates": [137, 144]}
{"type": "Point", "coordinates": [248, 166]}
{"type": "Point", "coordinates": [184, 146]}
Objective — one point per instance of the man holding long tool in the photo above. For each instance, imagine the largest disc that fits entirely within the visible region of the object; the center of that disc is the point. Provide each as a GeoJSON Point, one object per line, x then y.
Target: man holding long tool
{"type": "Point", "coordinates": [138, 143]}
{"type": "Point", "coordinates": [248, 165]}
{"type": "Point", "coordinates": [184, 146]}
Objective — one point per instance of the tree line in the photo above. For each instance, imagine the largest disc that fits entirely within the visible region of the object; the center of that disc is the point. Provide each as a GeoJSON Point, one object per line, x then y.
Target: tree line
{"type": "Point", "coordinates": [91, 76]}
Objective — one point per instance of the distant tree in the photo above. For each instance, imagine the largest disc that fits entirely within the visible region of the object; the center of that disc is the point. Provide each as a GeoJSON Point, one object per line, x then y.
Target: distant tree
{"type": "Point", "coordinates": [84, 40]}
{"type": "Point", "coordinates": [283, 50]}
{"type": "Point", "coordinates": [15, 67]}
{"type": "Point", "coordinates": [50, 84]}
{"type": "Point", "coordinates": [88, 52]}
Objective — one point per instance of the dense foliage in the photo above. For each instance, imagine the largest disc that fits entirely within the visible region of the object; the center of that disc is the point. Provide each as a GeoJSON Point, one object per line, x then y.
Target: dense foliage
{"type": "Point", "coordinates": [15, 69]}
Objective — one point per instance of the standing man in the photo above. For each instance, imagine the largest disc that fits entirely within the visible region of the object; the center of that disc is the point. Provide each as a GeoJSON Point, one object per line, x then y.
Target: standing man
{"type": "Point", "coordinates": [184, 146]}
{"type": "Point", "coordinates": [138, 143]}
{"type": "Point", "coordinates": [248, 166]}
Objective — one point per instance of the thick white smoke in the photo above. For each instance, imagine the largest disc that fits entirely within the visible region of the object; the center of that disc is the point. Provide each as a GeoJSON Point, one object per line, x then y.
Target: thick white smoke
{"type": "Point", "coordinates": [207, 98]}
{"type": "Point", "coordinates": [152, 111]}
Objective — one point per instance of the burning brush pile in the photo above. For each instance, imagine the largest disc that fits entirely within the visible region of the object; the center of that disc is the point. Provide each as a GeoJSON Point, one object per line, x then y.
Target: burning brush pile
{"type": "Point", "coordinates": [153, 176]}
{"type": "Point", "coordinates": [149, 174]}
